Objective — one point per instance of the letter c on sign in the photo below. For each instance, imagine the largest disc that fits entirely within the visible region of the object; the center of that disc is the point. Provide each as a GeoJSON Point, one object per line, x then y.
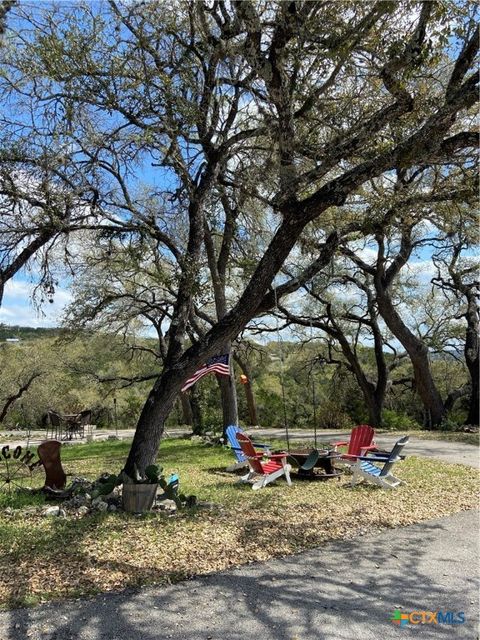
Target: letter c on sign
{"type": "Point", "coordinates": [417, 614]}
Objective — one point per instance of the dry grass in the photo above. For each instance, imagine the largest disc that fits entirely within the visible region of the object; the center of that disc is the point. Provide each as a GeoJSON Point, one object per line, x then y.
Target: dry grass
{"type": "Point", "coordinates": [43, 558]}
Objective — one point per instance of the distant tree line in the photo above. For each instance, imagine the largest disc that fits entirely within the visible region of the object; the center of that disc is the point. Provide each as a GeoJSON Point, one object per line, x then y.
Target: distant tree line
{"type": "Point", "coordinates": [294, 381]}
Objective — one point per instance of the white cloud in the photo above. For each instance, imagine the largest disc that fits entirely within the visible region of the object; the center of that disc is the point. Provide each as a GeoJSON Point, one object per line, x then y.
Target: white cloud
{"type": "Point", "coordinates": [17, 307]}
{"type": "Point", "coordinates": [18, 289]}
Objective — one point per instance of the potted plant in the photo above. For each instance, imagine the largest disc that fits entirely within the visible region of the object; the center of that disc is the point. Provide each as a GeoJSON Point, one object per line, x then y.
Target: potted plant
{"type": "Point", "coordinates": [138, 494]}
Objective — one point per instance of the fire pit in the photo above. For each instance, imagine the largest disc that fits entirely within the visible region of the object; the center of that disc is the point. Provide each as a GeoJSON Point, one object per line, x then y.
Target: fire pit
{"type": "Point", "coordinates": [323, 467]}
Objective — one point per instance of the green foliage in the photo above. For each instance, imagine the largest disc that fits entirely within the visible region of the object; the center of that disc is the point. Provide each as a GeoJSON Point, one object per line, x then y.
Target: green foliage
{"type": "Point", "coordinates": [449, 424]}
{"type": "Point", "coordinates": [105, 485]}
{"type": "Point", "coordinates": [331, 415]}
{"type": "Point", "coordinates": [154, 472]}
{"type": "Point", "coordinates": [398, 421]}
{"type": "Point", "coordinates": [70, 368]}
{"type": "Point", "coordinates": [27, 333]}
{"type": "Point", "coordinates": [152, 475]}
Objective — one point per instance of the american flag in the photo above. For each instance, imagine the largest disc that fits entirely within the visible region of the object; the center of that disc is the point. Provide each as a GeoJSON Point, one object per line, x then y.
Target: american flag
{"type": "Point", "coordinates": [216, 364]}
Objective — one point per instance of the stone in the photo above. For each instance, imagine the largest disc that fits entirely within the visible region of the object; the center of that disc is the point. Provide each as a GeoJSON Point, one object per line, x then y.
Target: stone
{"type": "Point", "coordinates": [62, 513]}
{"type": "Point", "coordinates": [166, 505]}
{"type": "Point", "coordinates": [112, 507]}
{"type": "Point", "coordinates": [81, 483]}
{"type": "Point", "coordinates": [82, 511]}
{"type": "Point", "coordinates": [77, 501]}
{"type": "Point", "coordinates": [116, 494]}
{"type": "Point", "coordinates": [113, 438]}
{"type": "Point", "coordinates": [51, 511]}
{"type": "Point", "coordinates": [209, 506]}
{"type": "Point", "coordinates": [100, 506]}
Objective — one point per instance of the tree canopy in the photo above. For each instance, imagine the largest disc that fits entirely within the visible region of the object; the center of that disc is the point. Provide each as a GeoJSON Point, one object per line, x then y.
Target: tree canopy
{"type": "Point", "coordinates": [227, 136]}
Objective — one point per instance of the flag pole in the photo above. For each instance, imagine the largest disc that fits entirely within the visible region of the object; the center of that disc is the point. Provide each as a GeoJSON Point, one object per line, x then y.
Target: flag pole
{"type": "Point", "coordinates": [282, 382]}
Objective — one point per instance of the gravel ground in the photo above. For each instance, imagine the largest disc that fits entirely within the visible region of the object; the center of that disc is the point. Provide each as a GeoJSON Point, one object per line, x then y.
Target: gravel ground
{"type": "Point", "coordinates": [341, 591]}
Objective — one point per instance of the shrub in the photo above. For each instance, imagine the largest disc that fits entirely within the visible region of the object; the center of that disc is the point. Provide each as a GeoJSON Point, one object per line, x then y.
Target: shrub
{"type": "Point", "coordinates": [449, 424]}
{"type": "Point", "coordinates": [331, 416]}
{"type": "Point", "coordinates": [398, 421]}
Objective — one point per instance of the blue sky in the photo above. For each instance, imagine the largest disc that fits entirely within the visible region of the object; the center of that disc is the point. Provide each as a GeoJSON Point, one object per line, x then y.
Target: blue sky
{"type": "Point", "coordinates": [17, 307]}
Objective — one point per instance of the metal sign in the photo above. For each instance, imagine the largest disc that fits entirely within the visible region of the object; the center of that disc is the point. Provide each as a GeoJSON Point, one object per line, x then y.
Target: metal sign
{"type": "Point", "coordinates": [16, 467]}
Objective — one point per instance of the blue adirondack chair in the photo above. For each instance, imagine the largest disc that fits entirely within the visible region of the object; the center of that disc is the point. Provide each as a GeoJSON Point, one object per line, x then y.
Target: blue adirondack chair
{"type": "Point", "coordinates": [241, 460]}
{"type": "Point", "coordinates": [371, 468]}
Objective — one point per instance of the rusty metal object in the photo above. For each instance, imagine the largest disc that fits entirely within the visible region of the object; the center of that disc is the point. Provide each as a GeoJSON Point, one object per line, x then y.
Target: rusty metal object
{"type": "Point", "coordinates": [16, 467]}
{"type": "Point", "coordinates": [49, 454]}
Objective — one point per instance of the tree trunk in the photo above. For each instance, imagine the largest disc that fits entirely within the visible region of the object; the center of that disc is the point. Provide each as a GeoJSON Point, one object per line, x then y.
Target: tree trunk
{"type": "Point", "coordinates": [473, 410]}
{"type": "Point", "coordinates": [228, 395]}
{"type": "Point", "coordinates": [196, 413]}
{"type": "Point", "coordinates": [178, 367]}
{"type": "Point", "coordinates": [151, 423]}
{"type": "Point", "coordinates": [373, 394]}
{"type": "Point", "coordinates": [251, 404]}
{"type": "Point", "coordinates": [472, 359]}
{"type": "Point", "coordinates": [249, 395]}
{"type": "Point", "coordinates": [375, 408]}
{"type": "Point", "coordinates": [187, 413]}
{"type": "Point", "coordinates": [418, 354]}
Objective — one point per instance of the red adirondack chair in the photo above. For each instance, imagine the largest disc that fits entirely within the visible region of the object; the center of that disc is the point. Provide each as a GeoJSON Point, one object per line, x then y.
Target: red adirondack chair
{"type": "Point", "coordinates": [263, 472]}
{"type": "Point", "coordinates": [361, 441]}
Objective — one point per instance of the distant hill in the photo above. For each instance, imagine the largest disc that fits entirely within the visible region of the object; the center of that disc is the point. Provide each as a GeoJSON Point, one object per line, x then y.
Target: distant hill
{"type": "Point", "coordinates": [27, 333]}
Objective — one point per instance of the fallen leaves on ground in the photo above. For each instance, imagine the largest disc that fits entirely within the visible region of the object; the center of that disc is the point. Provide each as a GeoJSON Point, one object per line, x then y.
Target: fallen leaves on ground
{"type": "Point", "coordinates": [43, 558]}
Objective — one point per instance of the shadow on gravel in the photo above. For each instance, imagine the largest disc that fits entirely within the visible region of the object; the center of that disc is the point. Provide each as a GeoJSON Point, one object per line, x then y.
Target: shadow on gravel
{"type": "Point", "coordinates": [343, 590]}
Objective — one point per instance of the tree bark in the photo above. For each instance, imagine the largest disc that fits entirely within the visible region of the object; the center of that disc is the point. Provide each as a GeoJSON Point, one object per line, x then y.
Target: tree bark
{"type": "Point", "coordinates": [375, 409]}
{"type": "Point", "coordinates": [249, 395]}
{"type": "Point", "coordinates": [16, 396]}
{"type": "Point", "coordinates": [177, 369]}
{"type": "Point", "coordinates": [148, 433]}
{"type": "Point", "coordinates": [196, 413]}
{"type": "Point", "coordinates": [187, 413]}
{"type": "Point", "coordinates": [228, 395]}
{"type": "Point", "coordinates": [217, 267]}
{"type": "Point", "coordinates": [418, 354]}
{"type": "Point", "coordinates": [472, 359]}
{"type": "Point", "coordinates": [373, 394]}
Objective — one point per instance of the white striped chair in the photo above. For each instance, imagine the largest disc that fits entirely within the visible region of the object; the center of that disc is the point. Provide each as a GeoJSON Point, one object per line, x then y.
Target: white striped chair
{"type": "Point", "coordinates": [365, 469]}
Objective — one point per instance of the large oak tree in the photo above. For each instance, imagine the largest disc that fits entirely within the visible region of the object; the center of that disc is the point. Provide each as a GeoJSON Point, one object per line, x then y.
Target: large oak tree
{"type": "Point", "coordinates": [292, 106]}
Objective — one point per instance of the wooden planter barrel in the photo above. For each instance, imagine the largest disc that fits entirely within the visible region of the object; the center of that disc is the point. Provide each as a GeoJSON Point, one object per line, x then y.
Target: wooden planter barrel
{"type": "Point", "coordinates": [138, 498]}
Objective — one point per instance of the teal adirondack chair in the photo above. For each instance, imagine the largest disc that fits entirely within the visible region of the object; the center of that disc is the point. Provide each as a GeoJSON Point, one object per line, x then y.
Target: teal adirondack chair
{"type": "Point", "coordinates": [241, 460]}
